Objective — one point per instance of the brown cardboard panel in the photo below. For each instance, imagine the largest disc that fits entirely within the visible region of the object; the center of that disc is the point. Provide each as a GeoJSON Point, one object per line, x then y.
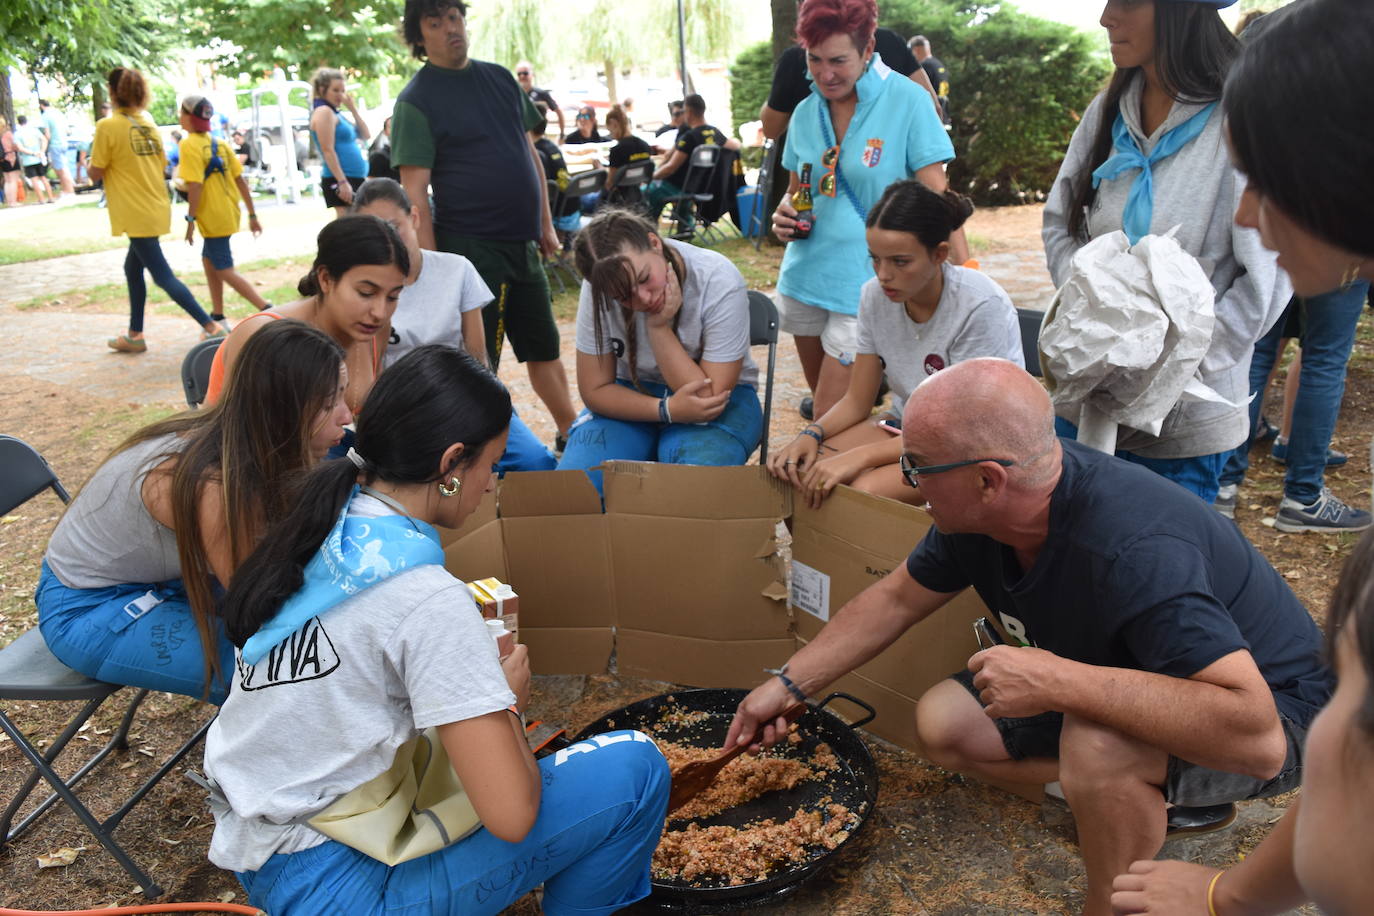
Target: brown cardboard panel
{"type": "Point", "coordinates": [484, 514]}
{"type": "Point", "coordinates": [884, 527]}
{"type": "Point", "coordinates": [698, 662]}
{"type": "Point", "coordinates": [696, 577]}
{"type": "Point", "coordinates": [476, 553]}
{"type": "Point", "coordinates": [565, 650]}
{"type": "Point", "coordinates": [560, 567]}
{"type": "Point", "coordinates": [683, 491]}
{"type": "Point", "coordinates": [540, 493]}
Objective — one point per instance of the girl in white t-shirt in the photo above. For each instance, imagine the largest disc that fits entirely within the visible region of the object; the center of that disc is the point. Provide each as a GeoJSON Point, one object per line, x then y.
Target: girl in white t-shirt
{"type": "Point", "coordinates": [663, 359]}
{"type": "Point", "coordinates": [353, 639]}
{"type": "Point", "coordinates": [442, 303]}
{"type": "Point", "coordinates": [918, 315]}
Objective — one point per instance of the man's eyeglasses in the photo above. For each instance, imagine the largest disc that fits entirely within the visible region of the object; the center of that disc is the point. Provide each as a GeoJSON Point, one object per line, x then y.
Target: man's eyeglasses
{"type": "Point", "coordinates": [829, 159]}
{"type": "Point", "coordinates": [912, 472]}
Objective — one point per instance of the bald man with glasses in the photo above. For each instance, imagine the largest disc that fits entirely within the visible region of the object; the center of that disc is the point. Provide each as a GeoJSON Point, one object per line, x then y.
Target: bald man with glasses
{"type": "Point", "coordinates": [1154, 657]}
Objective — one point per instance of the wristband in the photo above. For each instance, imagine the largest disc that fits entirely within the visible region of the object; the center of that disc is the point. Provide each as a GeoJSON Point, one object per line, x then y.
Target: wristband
{"type": "Point", "coordinates": [664, 415]}
{"type": "Point", "coordinates": [813, 434]}
{"type": "Point", "coordinates": [1211, 889]}
{"type": "Point", "coordinates": [190, 218]}
{"type": "Point", "coordinates": [818, 427]}
{"type": "Point", "coordinates": [792, 688]}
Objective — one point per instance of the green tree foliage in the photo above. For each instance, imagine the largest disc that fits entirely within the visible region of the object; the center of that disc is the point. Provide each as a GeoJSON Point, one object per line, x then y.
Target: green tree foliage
{"type": "Point", "coordinates": [509, 31]}
{"type": "Point", "coordinates": [750, 76]}
{"type": "Point", "coordinates": [254, 36]}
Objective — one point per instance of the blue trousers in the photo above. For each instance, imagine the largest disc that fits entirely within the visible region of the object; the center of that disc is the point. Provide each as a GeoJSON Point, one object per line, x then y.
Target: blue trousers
{"type": "Point", "coordinates": [524, 451]}
{"type": "Point", "coordinates": [103, 634]}
{"type": "Point", "coordinates": [1328, 334]}
{"type": "Point", "coordinates": [1200, 474]}
{"type": "Point", "coordinates": [600, 816]}
{"type": "Point", "coordinates": [146, 254]}
{"type": "Point", "coordinates": [726, 440]}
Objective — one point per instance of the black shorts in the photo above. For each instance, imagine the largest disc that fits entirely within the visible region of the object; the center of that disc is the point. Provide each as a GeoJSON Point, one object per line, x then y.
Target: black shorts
{"type": "Point", "coordinates": [1184, 783]}
{"type": "Point", "coordinates": [330, 188]}
{"type": "Point", "coordinates": [514, 272]}
{"type": "Point", "coordinates": [35, 171]}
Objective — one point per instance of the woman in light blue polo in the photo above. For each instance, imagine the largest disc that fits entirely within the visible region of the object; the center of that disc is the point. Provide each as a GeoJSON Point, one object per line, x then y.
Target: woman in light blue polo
{"type": "Point", "coordinates": [861, 128]}
{"type": "Point", "coordinates": [345, 166]}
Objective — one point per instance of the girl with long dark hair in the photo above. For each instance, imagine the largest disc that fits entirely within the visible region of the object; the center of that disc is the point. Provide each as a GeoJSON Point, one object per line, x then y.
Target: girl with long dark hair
{"type": "Point", "coordinates": [353, 639]}
{"type": "Point", "coordinates": [918, 315]}
{"type": "Point", "coordinates": [1150, 155]}
{"type": "Point", "coordinates": [663, 359]}
{"type": "Point", "coordinates": [132, 574]}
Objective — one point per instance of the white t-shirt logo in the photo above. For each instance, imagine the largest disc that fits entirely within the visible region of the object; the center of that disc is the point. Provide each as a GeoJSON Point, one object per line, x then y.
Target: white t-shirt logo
{"type": "Point", "coordinates": [306, 655]}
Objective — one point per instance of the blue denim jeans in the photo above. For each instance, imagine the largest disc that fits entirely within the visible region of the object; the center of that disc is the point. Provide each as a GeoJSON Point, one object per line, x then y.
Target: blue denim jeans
{"type": "Point", "coordinates": [146, 254]}
{"type": "Point", "coordinates": [1328, 333]}
{"type": "Point", "coordinates": [524, 451]}
{"type": "Point", "coordinates": [1199, 474]}
{"type": "Point", "coordinates": [600, 816]}
{"type": "Point", "coordinates": [726, 440]}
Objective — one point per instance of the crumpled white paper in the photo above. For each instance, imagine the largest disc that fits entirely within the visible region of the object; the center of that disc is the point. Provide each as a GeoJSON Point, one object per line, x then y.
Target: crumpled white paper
{"type": "Point", "coordinates": [1125, 334]}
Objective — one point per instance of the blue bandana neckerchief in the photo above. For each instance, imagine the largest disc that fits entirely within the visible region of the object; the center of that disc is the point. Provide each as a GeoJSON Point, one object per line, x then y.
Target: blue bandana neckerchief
{"type": "Point", "coordinates": [356, 554]}
{"type": "Point", "coordinates": [1140, 203]}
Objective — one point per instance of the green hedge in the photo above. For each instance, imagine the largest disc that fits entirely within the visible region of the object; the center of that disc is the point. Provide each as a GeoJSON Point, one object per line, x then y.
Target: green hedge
{"type": "Point", "coordinates": [1018, 86]}
{"type": "Point", "coordinates": [750, 76]}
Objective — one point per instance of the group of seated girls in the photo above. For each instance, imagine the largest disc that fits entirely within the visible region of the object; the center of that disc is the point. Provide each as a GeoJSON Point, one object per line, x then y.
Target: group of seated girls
{"type": "Point", "coordinates": [207, 541]}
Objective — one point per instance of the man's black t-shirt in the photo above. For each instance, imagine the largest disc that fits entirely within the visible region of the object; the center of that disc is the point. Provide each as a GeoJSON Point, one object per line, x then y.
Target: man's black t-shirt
{"type": "Point", "coordinates": [468, 127]}
{"type": "Point", "coordinates": [790, 84]}
{"type": "Point", "coordinates": [626, 150]}
{"type": "Point", "coordinates": [542, 95]}
{"type": "Point", "coordinates": [1139, 573]}
{"type": "Point", "coordinates": [689, 139]}
{"type": "Point", "coordinates": [939, 76]}
{"type": "Point", "coordinates": [555, 168]}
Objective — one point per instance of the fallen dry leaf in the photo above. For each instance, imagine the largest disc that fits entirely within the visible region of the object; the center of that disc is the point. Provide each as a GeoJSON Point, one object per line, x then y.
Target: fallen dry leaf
{"type": "Point", "coordinates": [163, 839]}
{"type": "Point", "coordinates": [61, 857]}
{"type": "Point", "coordinates": [227, 897]}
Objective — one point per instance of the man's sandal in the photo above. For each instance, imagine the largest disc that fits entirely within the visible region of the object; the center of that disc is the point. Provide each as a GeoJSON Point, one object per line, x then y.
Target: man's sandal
{"type": "Point", "coordinates": [126, 344]}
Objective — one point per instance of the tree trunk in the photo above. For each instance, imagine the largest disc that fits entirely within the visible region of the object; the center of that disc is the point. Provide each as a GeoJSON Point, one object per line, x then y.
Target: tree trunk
{"type": "Point", "coordinates": [610, 82]}
{"type": "Point", "coordinates": [6, 98]}
{"type": "Point", "coordinates": [97, 98]}
{"type": "Point", "coordinates": [784, 25]}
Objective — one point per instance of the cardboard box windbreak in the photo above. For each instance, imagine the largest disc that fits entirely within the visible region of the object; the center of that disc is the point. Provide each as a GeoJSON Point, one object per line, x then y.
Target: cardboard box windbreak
{"type": "Point", "coordinates": [681, 564]}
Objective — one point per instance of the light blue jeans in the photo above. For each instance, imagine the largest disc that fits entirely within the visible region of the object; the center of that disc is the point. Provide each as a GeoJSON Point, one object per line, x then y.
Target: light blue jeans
{"type": "Point", "coordinates": [1200, 474]}
{"type": "Point", "coordinates": [726, 440]}
{"type": "Point", "coordinates": [1328, 334]}
{"type": "Point", "coordinates": [600, 815]}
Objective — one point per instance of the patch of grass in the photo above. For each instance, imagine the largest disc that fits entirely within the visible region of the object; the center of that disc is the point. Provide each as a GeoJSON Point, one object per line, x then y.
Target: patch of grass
{"type": "Point", "coordinates": [121, 422]}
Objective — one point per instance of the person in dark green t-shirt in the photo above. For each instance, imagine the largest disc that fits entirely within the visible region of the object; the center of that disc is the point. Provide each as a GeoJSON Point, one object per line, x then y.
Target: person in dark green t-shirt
{"type": "Point", "coordinates": [459, 129]}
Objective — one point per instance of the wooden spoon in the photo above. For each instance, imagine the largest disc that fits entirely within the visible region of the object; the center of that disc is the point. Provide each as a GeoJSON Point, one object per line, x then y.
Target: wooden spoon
{"type": "Point", "coordinates": [690, 779]}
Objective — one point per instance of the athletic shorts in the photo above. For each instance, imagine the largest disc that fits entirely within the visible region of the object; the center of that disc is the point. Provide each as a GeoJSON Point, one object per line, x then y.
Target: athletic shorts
{"type": "Point", "coordinates": [1184, 783]}
{"type": "Point", "coordinates": [330, 187]}
{"type": "Point", "coordinates": [839, 334]}
{"type": "Point", "coordinates": [57, 158]}
{"type": "Point", "coordinates": [514, 272]}
{"type": "Point", "coordinates": [37, 170]}
{"type": "Point", "coordinates": [217, 252]}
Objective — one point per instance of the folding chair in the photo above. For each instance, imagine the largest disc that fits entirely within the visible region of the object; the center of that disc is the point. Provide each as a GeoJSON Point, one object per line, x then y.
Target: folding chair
{"type": "Point", "coordinates": [29, 671]}
{"type": "Point", "coordinates": [763, 329]}
{"type": "Point", "coordinates": [195, 370]}
{"type": "Point", "coordinates": [629, 182]}
{"type": "Point", "coordinates": [695, 190]}
{"type": "Point", "coordinates": [1030, 320]}
{"type": "Point", "coordinates": [758, 218]}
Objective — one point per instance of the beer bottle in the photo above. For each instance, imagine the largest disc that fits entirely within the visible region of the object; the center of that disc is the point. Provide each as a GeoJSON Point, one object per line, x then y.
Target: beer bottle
{"type": "Point", "coordinates": [805, 206]}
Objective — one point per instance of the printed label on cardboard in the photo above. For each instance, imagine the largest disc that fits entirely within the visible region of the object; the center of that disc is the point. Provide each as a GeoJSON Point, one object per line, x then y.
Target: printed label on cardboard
{"type": "Point", "coordinates": [810, 590]}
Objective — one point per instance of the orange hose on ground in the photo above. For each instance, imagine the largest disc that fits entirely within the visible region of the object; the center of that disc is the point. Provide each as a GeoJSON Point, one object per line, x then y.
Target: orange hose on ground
{"type": "Point", "coordinates": [143, 908]}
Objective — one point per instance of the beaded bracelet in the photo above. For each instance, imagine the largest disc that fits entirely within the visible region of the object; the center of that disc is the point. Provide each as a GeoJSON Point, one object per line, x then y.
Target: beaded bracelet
{"type": "Point", "coordinates": [792, 688]}
{"type": "Point", "coordinates": [813, 434]}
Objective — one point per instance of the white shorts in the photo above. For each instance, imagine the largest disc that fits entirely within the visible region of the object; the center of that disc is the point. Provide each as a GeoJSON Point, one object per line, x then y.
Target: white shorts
{"type": "Point", "coordinates": [839, 334]}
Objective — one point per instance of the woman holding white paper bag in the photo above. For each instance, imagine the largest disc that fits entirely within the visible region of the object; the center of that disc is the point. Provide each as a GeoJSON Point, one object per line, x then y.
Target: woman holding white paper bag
{"type": "Point", "coordinates": [368, 645]}
{"type": "Point", "coordinates": [1150, 154]}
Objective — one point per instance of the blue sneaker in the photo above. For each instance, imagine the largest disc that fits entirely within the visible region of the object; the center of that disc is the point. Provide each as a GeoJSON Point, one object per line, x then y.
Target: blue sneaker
{"type": "Point", "coordinates": [1334, 459]}
{"type": "Point", "coordinates": [1326, 513]}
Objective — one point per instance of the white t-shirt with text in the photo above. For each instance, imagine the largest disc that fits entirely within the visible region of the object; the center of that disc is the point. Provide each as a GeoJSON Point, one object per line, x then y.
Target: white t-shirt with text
{"type": "Point", "coordinates": [430, 310]}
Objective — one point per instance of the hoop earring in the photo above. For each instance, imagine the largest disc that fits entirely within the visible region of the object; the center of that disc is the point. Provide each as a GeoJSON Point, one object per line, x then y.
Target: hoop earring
{"type": "Point", "coordinates": [451, 488]}
{"type": "Point", "coordinates": [1352, 273]}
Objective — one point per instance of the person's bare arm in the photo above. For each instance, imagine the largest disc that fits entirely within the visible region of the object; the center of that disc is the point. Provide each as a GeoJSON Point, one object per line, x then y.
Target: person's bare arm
{"type": "Point", "coordinates": [675, 161]}
{"type": "Point", "coordinates": [247, 194]}
{"type": "Point", "coordinates": [322, 123]}
{"type": "Point", "coordinates": [193, 192]}
{"type": "Point", "coordinates": [919, 77]}
{"type": "Point", "coordinates": [210, 522]}
{"type": "Point", "coordinates": [363, 133]}
{"type": "Point", "coordinates": [474, 335]}
{"type": "Point", "coordinates": [548, 242]}
{"type": "Point", "coordinates": [1223, 717]}
{"type": "Point", "coordinates": [870, 622]}
{"type": "Point", "coordinates": [415, 180]}
{"type": "Point", "coordinates": [933, 177]}
{"type": "Point", "coordinates": [774, 121]}
{"type": "Point", "coordinates": [597, 386]}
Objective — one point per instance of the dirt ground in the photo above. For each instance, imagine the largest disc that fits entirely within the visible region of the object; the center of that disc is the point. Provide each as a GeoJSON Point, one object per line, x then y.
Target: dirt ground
{"type": "Point", "coordinates": [937, 843]}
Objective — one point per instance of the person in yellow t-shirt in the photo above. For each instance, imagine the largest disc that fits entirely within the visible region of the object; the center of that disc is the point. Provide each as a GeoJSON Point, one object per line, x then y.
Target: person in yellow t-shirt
{"type": "Point", "coordinates": [214, 181]}
{"type": "Point", "coordinates": [127, 154]}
